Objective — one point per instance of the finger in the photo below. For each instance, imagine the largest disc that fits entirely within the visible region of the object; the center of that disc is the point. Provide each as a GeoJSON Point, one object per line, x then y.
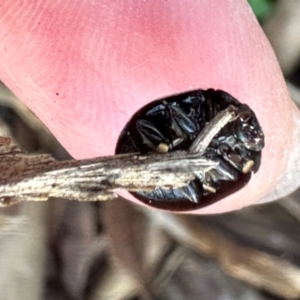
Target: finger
{"type": "Point", "coordinates": [85, 68]}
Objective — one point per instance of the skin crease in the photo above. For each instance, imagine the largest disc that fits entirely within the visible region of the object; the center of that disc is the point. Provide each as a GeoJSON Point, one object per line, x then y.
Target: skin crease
{"type": "Point", "coordinates": [85, 67]}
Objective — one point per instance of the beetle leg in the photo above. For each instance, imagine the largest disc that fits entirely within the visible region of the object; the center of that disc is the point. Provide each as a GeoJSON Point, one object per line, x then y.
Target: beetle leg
{"type": "Point", "coordinates": [226, 171]}
{"type": "Point", "coordinates": [151, 136]}
{"type": "Point", "coordinates": [248, 159]}
{"type": "Point", "coordinates": [181, 124]}
{"type": "Point", "coordinates": [191, 192]}
{"type": "Point", "coordinates": [162, 148]}
{"type": "Point", "coordinates": [177, 141]}
{"type": "Point", "coordinates": [248, 166]}
{"type": "Point", "coordinates": [245, 113]}
{"type": "Point", "coordinates": [212, 109]}
{"type": "Point", "coordinates": [223, 171]}
{"type": "Point", "coordinates": [208, 184]}
{"type": "Point", "coordinates": [230, 156]}
{"type": "Point", "coordinates": [209, 188]}
{"type": "Point", "coordinates": [192, 113]}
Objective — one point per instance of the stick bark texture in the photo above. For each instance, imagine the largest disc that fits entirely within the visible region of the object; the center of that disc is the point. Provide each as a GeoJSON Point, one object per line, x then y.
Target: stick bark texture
{"type": "Point", "coordinates": [37, 177]}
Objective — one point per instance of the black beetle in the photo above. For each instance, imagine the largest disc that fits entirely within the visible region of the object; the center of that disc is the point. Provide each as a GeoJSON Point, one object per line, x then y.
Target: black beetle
{"type": "Point", "coordinates": [173, 123]}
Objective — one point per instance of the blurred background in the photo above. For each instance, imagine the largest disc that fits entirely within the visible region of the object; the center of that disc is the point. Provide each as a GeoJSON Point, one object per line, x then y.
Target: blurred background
{"type": "Point", "coordinates": [67, 250]}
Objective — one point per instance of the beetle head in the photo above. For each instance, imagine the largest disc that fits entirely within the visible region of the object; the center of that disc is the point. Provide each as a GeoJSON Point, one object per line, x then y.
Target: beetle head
{"type": "Point", "coordinates": [248, 130]}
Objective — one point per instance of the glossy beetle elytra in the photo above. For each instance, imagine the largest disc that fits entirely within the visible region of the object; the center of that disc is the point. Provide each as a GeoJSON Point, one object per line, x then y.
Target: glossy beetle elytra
{"type": "Point", "coordinates": [173, 123]}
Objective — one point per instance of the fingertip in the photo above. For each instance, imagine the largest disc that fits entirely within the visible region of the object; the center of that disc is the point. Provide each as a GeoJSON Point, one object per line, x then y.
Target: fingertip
{"type": "Point", "coordinates": [85, 81]}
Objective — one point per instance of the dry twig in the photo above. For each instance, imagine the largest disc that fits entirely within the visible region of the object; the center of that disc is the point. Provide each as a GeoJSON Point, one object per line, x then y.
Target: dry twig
{"type": "Point", "coordinates": [36, 178]}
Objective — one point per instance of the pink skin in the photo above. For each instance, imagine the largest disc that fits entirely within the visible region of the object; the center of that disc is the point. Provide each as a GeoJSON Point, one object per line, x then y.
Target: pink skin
{"type": "Point", "coordinates": [84, 67]}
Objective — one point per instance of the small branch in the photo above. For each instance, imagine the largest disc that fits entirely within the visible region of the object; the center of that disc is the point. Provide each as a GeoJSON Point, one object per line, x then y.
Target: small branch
{"type": "Point", "coordinates": [36, 178]}
{"type": "Point", "coordinates": [205, 137]}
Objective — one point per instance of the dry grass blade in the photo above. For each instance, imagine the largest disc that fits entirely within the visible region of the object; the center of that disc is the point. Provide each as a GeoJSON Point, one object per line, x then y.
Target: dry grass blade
{"type": "Point", "coordinates": [257, 268]}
